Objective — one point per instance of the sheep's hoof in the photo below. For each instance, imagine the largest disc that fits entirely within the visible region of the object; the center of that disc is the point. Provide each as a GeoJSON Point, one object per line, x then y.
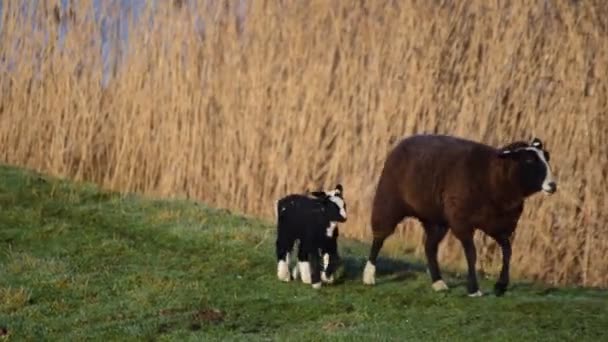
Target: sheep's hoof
{"type": "Point", "coordinates": [440, 285]}
{"type": "Point", "coordinates": [369, 274]}
{"type": "Point", "coordinates": [500, 289]}
{"type": "Point", "coordinates": [316, 286]}
{"type": "Point", "coordinates": [476, 294]}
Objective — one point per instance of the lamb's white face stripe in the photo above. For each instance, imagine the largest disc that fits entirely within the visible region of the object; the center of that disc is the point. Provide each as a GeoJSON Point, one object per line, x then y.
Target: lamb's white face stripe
{"type": "Point", "coordinates": [549, 176]}
{"type": "Point", "coordinates": [340, 203]}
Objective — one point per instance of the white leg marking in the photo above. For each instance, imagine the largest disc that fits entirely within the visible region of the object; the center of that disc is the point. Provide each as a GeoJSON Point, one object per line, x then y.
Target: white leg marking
{"type": "Point", "coordinates": [283, 271]}
{"type": "Point", "coordinates": [316, 286]}
{"type": "Point", "coordinates": [305, 271]}
{"type": "Point", "coordinates": [325, 261]}
{"type": "Point", "coordinates": [476, 294]}
{"type": "Point", "coordinates": [440, 285]}
{"type": "Point", "coordinates": [369, 274]}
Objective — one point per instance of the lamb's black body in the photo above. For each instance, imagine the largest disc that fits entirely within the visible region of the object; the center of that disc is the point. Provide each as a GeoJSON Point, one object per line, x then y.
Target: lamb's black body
{"type": "Point", "coordinates": [311, 220]}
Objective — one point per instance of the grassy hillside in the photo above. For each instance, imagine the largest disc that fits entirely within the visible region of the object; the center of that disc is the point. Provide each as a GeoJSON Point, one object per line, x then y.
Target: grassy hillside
{"type": "Point", "coordinates": [79, 263]}
{"type": "Point", "coordinates": [311, 93]}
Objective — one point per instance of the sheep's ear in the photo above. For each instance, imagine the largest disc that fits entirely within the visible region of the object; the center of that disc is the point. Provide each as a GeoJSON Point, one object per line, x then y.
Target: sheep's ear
{"type": "Point", "coordinates": [505, 153]}
{"type": "Point", "coordinates": [536, 143]}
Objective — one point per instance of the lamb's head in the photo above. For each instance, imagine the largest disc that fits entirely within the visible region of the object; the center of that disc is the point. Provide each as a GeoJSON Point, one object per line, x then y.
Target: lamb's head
{"type": "Point", "coordinates": [334, 203]}
{"type": "Point", "coordinates": [531, 166]}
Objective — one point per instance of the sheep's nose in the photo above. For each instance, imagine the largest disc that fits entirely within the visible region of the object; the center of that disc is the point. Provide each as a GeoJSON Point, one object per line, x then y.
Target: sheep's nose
{"type": "Point", "coordinates": [551, 187]}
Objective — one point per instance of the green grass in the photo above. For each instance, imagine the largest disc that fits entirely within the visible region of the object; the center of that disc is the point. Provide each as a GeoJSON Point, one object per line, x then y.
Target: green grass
{"type": "Point", "coordinates": [77, 263]}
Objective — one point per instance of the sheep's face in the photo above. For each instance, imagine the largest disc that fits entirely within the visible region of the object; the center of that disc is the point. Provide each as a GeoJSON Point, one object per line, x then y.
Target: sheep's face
{"type": "Point", "coordinates": [533, 169]}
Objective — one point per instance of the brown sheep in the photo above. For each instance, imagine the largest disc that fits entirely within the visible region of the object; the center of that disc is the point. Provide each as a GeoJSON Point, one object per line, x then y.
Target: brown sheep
{"type": "Point", "coordinates": [446, 181]}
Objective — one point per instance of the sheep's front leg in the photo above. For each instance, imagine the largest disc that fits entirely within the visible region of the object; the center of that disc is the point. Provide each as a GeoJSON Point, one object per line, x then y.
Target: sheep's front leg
{"type": "Point", "coordinates": [503, 280]}
{"type": "Point", "coordinates": [468, 245]}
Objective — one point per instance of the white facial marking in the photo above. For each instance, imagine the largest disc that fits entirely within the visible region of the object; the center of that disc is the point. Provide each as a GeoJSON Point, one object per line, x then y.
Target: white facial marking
{"type": "Point", "coordinates": [476, 294]}
{"type": "Point", "coordinates": [283, 271]}
{"type": "Point", "coordinates": [340, 203]}
{"type": "Point", "coordinates": [369, 274]}
{"type": "Point", "coordinates": [440, 285]}
{"type": "Point", "coordinates": [549, 176]}
{"type": "Point", "coordinates": [305, 271]}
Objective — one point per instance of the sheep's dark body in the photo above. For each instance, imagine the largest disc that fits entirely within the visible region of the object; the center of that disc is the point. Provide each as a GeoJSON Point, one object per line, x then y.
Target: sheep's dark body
{"type": "Point", "coordinates": [450, 182]}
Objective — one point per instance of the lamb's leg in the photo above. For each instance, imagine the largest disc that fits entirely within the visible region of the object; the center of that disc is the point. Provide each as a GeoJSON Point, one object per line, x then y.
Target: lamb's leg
{"type": "Point", "coordinates": [471, 254]}
{"type": "Point", "coordinates": [282, 251]}
{"type": "Point", "coordinates": [434, 236]}
{"type": "Point", "coordinates": [313, 256]}
{"type": "Point", "coordinates": [503, 280]}
{"type": "Point", "coordinates": [304, 262]}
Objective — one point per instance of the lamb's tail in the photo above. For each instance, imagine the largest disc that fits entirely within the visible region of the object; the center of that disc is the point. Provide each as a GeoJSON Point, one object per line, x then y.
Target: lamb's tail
{"type": "Point", "coordinates": [279, 210]}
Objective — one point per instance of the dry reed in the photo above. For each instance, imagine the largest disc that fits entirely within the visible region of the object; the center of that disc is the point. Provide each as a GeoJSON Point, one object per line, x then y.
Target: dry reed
{"type": "Point", "coordinates": [312, 93]}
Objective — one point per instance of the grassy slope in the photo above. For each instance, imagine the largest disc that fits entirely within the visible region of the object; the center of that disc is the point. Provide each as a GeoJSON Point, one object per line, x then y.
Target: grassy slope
{"type": "Point", "coordinates": [76, 262]}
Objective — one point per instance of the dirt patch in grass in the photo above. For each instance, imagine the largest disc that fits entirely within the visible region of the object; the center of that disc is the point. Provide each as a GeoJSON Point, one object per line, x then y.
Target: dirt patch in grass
{"type": "Point", "coordinates": [206, 316]}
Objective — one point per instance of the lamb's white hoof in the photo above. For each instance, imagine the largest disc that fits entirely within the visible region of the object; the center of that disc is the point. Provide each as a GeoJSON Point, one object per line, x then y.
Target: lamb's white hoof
{"type": "Point", "coordinates": [325, 260]}
{"type": "Point", "coordinates": [283, 271]}
{"type": "Point", "coordinates": [476, 294]}
{"type": "Point", "coordinates": [316, 286]}
{"type": "Point", "coordinates": [305, 272]}
{"type": "Point", "coordinates": [369, 274]}
{"type": "Point", "coordinates": [325, 279]}
{"type": "Point", "coordinates": [440, 285]}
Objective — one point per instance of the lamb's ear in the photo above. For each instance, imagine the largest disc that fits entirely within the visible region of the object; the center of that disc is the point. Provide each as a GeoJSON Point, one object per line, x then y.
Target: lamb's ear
{"type": "Point", "coordinates": [339, 189]}
{"type": "Point", "coordinates": [536, 143]}
{"type": "Point", "coordinates": [320, 194]}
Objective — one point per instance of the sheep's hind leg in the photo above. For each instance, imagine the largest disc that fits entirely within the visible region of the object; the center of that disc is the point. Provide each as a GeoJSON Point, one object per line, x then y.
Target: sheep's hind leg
{"type": "Point", "coordinates": [369, 272]}
{"type": "Point", "coordinates": [434, 236]}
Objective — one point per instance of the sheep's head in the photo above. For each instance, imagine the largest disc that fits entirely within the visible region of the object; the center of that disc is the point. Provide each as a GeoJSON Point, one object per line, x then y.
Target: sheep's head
{"type": "Point", "coordinates": [532, 165]}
